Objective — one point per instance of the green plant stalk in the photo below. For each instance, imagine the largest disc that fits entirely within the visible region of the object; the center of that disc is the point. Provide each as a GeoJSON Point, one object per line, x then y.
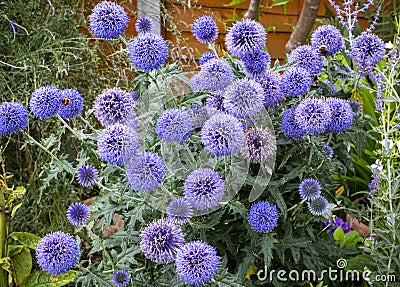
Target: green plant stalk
{"type": "Point", "coordinates": [3, 225]}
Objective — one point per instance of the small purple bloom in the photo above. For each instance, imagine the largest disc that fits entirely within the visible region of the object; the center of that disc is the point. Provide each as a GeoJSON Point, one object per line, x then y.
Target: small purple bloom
{"type": "Point", "coordinates": [367, 50]}
{"type": "Point", "coordinates": [144, 25]}
{"type": "Point", "coordinates": [72, 104]}
{"type": "Point", "coordinates": [263, 216]}
{"type": "Point", "coordinates": [318, 205]}
{"type": "Point", "coordinates": [215, 75]}
{"type": "Point", "coordinates": [256, 64]}
{"type": "Point", "coordinates": [341, 115]}
{"type": "Point", "coordinates": [205, 57]}
{"type": "Point", "coordinates": [307, 58]}
{"type": "Point", "coordinates": [205, 29]}
{"type": "Point", "coordinates": [13, 117]}
{"type": "Point", "coordinates": [290, 127]}
{"type": "Point", "coordinates": [273, 94]}
{"type": "Point", "coordinates": [295, 81]}
{"type": "Point", "coordinates": [121, 278]}
{"type": "Point", "coordinates": [328, 150]}
{"type": "Point", "coordinates": [338, 222]}
{"type": "Point", "coordinates": [259, 145]}
{"type": "Point", "coordinates": [327, 38]}
{"type": "Point", "coordinates": [174, 125]}
{"type": "Point", "coordinates": [309, 189]}
{"type": "Point", "coordinates": [179, 211]}
{"type": "Point", "coordinates": [87, 175]}
{"type": "Point", "coordinates": [78, 214]}
{"type": "Point", "coordinates": [45, 101]}
{"type": "Point", "coordinates": [313, 115]}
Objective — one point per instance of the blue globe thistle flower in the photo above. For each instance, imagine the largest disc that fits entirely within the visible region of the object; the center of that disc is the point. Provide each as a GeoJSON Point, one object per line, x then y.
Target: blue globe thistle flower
{"type": "Point", "coordinates": [327, 39]}
{"type": "Point", "coordinates": [179, 211]}
{"type": "Point", "coordinates": [256, 63]}
{"type": "Point", "coordinates": [307, 58]}
{"type": "Point", "coordinates": [295, 81]}
{"type": "Point", "coordinates": [214, 101]}
{"type": "Point", "coordinates": [174, 125]}
{"type": "Point", "coordinates": [161, 240]}
{"type": "Point", "coordinates": [328, 150]}
{"type": "Point", "coordinates": [309, 189]}
{"type": "Point", "coordinates": [204, 188]}
{"type": "Point", "coordinates": [199, 115]}
{"type": "Point", "coordinates": [145, 171]}
{"type": "Point", "coordinates": [259, 145]}
{"type": "Point", "coordinates": [222, 134]}
{"type": "Point", "coordinates": [45, 102]}
{"type": "Point", "coordinates": [108, 20]}
{"type": "Point", "coordinates": [117, 143]}
{"type": "Point", "coordinates": [273, 94]}
{"type": "Point", "coordinates": [205, 57]}
{"type": "Point", "coordinates": [313, 115]}
{"type": "Point", "coordinates": [245, 37]}
{"type": "Point", "coordinates": [148, 51]}
{"type": "Point", "coordinates": [205, 29]}
{"type": "Point", "coordinates": [243, 98]}
{"type": "Point", "coordinates": [367, 50]}
{"type": "Point", "coordinates": [318, 205]}
{"type": "Point", "coordinates": [355, 106]}
{"type": "Point", "coordinates": [78, 214]}
{"type": "Point", "coordinates": [144, 25]}
{"type": "Point", "coordinates": [72, 104]}
{"type": "Point", "coordinates": [197, 263]}
{"type": "Point", "coordinates": [341, 115]}
{"type": "Point", "coordinates": [290, 127]}
{"type": "Point", "coordinates": [87, 175]}
{"type": "Point", "coordinates": [263, 216]}
{"type": "Point", "coordinates": [57, 253]}
{"type": "Point", "coordinates": [121, 278]}
{"type": "Point", "coordinates": [113, 106]}
{"type": "Point", "coordinates": [13, 117]}
{"type": "Point", "coordinates": [215, 75]}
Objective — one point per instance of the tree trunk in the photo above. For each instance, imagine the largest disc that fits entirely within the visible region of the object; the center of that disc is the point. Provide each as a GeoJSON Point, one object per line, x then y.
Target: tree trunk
{"type": "Point", "coordinates": [252, 12]}
{"type": "Point", "coordinates": [306, 22]}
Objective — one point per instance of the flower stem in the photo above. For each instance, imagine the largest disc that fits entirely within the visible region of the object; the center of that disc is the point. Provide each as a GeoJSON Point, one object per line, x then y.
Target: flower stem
{"type": "Point", "coordinates": [3, 224]}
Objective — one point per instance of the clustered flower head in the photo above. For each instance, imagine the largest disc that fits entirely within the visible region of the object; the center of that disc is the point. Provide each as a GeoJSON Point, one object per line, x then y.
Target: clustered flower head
{"type": "Point", "coordinates": [215, 75]}
{"type": "Point", "coordinates": [57, 253]}
{"type": "Point", "coordinates": [121, 278]}
{"type": "Point", "coordinates": [367, 50]}
{"type": "Point", "coordinates": [222, 135]}
{"type": "Point", "coordinates": [309, 189]}
{"type": "Point", "coordinates": [72, 104]}
{"type": "Point", "coordinates": [313, 115]}
{"type": "Point", "coordinates": [13, 117]}
{"type": "Point", "coordinates": [108, 20]}
{"type": "Point", "coordinates": [263, 216]}
{"type": "Point", "coordinates": [290, 127]}
{"type": "Point", "coordinates": [328, 150]}
{"type": "Point", "coordinates": [114, 106]}
{"type": "Point", "coordinates": [161, 240]}
{"type": "Point", "coordinates": [255, 64]}
{"type": "Point", "coordinates": [243, 98]}
{"type": "Point", "coordinates": [45, 101]}
{"type": "Point", "coordinates": [295, 81]}
{"type": "Point", "coordinates": [327, 39]}
{"type": "Point", "coordinates": [205, 29]}
{"type": "Point", "coordinates": [214, 101]}
{"type": "Point", "coordinates": [117, 143]}
{"type": "Point", "coordinates": [179, 211]}
{"type": "Point", "coordinates": [259, 145]}
{"type": "Point", "coordinates": [307, 58]}
{"type": "Point", "coordinates": [205, 57]}
{"type": "Point", "coordinates": [78, 214]}
{"type": "Point", "coordinates": [174, 125]}
{"type": "Point", "coordinates": [318, 205]}
{"type": "Point", "coordinates": [204, 188]}
{"type": "Point", "coordinates": [272, 92]}
{"type": "Point", "coordinates": [245, 37]}
{"type": "Point", "coordinates": [337, 222]}
{"type": "Point", "coordinates": [197, 263]}
{"type": "Point", "coordinates": [145, 171]}
{"type": "Point", "coordinates": [144, 25]}
{"type": "Point", "coordinates": [148, 51]}
{"type": "Point", "coordinates": [87, 175]}
{"type": "Point", "coordinates": [341, 115]}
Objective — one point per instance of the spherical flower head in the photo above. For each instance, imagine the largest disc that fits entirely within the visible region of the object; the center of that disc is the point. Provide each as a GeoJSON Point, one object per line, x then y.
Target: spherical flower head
{"type": "Point", "coordinates": [161, 240]}
{"type": "Point", "coordinates": [13, 117]}
{"type": "Point", "coordinates": [309, 189]}
{"type": "Point", "coordinates": [256, 63]}
{"type": "Point", "coordinates": [355, 106]}
{"type": "Point", "coordinates": [263, 216]}
{"type": "Point", "coordinates": [215, 75]}
{"type": "Point", "coordinates": [174, 125]}
{"type": "Point", "coordinates": [72, 104]}
{"type": "Point", "coordinates": [57, 253]}
{"type": "Point", "coordinates": [290, 127]}
{"type": "Point", "coordinates": [367, 50]}
{"type": "Point", "coordinates": [117, 143]}
{"type": "Point", "coordinates": [45, 102]}
{"type": "Point", "coordinates": [148, 51]}
{"type": "Point", "coordinates": [318, 205]}
{"type": "Point", "coordinates": [313, 115]}
{"type": "Point", "coordinates": [121, 278]}
{"type": "Point", "coordinates": [205, 57]}
{"type": "Point", "coordinates": [214, 101]}
{"type": "Point", "coordinates": [204, 188]}
{"type": "Point", "coordinates": [245, 37]}
{"type": "Point", "coordinates": [222, 134]}
{"type": "Point", "coordinates": [78, 214]}
{"type": "Point", "coordinates": [327, 38]}
{"type": "Point", "coordinates": [328, 150]}
{"type": "Point", "coordinates": [179, 211]}
{"type": "Point", "coordinates": [259, 145]}
{"type": "Point", "coordinates": [205, 29]}
{"type": "Point", "coordinates": [145, 171]}
{"type": "Point", "coordinates": [197, 263]}
{"type": "Point", "coordinates": [87, 175]}
{"type": "Point", "coordinates": [307, 58]}
{"type": "Point", "coordinates": [341, 115]}
{"type": "Point", "coordinates": [108, 20]}
{"type": "Point", "coordinates": [273, 94]}
{"type": "Point", "coordinates": [243, 98]}
{"type": "Point", "coordinates": [113, 106]}
{"type": "Point", "coordinates": [144, 25]}
{"type": "Point", "coordinates": [295, 81]}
